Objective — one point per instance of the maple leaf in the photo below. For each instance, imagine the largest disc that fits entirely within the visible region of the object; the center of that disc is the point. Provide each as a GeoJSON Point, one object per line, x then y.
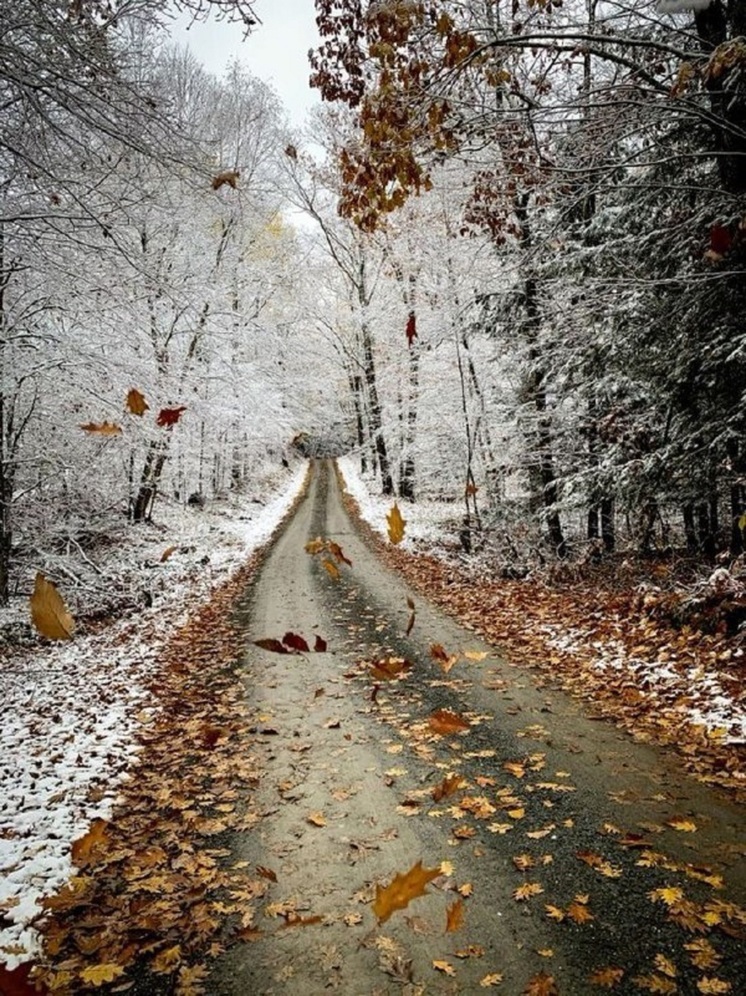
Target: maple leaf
{"type": "Point", "coordinates": [296, 642]}
{"type": "Point", "coordinates": [554, 913]}
{"type": "Point", "coordinates": [524, 861]}
{"type": "Point", "coordinates": [315, 546]}
{"type": "Point", "coordinates": [48, 612]}
{"type": "Point", "coordinates": [606, 977]}
{"type": "Point", "coordinates": [493, 979]}
{"type": "Point", "coordinates": [136, 403]}
{"type": "Point", "coordinates": [579, 913]}
{"type": "Point", "coordinates": [396, 525]}
{"type": "Point", "coordinates": [702, 954]}
{"type": "Point", "coordinates": [99, 975]}
{"type": "Point", "coordinates": [710, 985]}
{"type": "Point", "coordinates": [444, 722]}
{"type": "Point", "coordinates": [168, 417]}
{"type": "Point", "coordinates": [411, 328]}
{"type": "Point", "coordinates": [190, 979]}
{"type": "Point", "coordinates": [669, 894]}
{"type": "Point", "coordinates": [450, 785]}
{"type": "Point", "coordinates": [102, 428]}
{"type": "Point", "coordinates": [665, 965]}
{"type": "Point", "coordinates": [455, 916]}
{"type": "Point", "coordinates": [402, 890]}
{"type": "Point", "coordinates": [541, 985]}
{"type": "Point", "coordinates": [91, 843]}
{"type": "Point", "coordinates": [319, 645]}
{"type": "Point", "coordinates": [526, 891]}
{"type": "Point", "coordinates": [273, 645]}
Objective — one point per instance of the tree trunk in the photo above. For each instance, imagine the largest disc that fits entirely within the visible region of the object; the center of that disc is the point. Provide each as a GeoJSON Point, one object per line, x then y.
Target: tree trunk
{"type": "Point", "coordinates": [152, 470]}
{"type": "Point", "coordinates": [376, 427]}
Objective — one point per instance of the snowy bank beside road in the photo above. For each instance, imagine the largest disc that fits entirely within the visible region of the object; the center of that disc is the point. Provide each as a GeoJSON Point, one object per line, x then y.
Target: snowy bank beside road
{"type": "Point", "coordinates": [71, 710]}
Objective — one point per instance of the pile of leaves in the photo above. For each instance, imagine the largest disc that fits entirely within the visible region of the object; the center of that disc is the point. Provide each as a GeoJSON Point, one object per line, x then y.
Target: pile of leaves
{"type": "Point", "coordinates": [156, 892]}
{"type": "Point", "coordinates": [603, 643]}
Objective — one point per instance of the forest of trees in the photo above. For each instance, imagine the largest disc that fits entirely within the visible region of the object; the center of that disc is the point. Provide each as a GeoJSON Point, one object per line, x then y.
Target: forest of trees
{"type": "Point", "coordinates": [519, 282]}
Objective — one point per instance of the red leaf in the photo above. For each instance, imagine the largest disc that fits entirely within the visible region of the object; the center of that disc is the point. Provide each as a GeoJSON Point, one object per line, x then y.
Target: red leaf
{"type": "Point", "coordinates": [295, 642]}
{"type": "Point", "coordinates": [170, 416]}
{"type": "Point", "coordinates": [411, 328]}
{"type": "Point", "coordinates": [16, 982]}
{"type": "Point", "coordinates": [720, 239]}
{"type": "Point", "coordinates": [320, 645]}
{"type": "Point", "coordinates": [274, 645]}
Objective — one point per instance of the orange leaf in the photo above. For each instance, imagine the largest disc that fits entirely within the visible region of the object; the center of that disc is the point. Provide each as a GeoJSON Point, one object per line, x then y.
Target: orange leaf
{"type": "Point", "coordinates": [444, 722]}
{"type": "Point", "coordinates": [168, 552]}
{"type": "Point", "coordinates": [402, 890]}
{"type": "Point", "coordinates": [493, 979]}
{"type": "Point", "coordinates": [331, 569]}
{"type": "Point", "coordinates": [293, 919]}
{"type": "Point", "coordinates": [449, 785]}
{"type": "Point", "coordinates": [136, 403]}
{"type": "Point", "coordinates": [91, 843]}
{"type": "Point", "coordinates": [438, 654]}
{"type": "Point", "coordinates": [336, 551]}
{"type": "Point", "coordinates": [541, 985]}
{"type": "Point", "coordinates": [316, 819]}
{"type": "Point", "coordinates": [48, 611]}
{"type": "Point", "coordinates": [390, 668]}
{"type": "Point", "coordinates": [682, 823]}
{"type": "Point", "coordinates": [578, 913]}
{"type": "Point", "coordinates": [606, 977]}
{"type": "Point", "coordinates": [102, 428]}
{"type": "Point", "coordinates": [455, 916]}
{"type": "Point", "coordinates": [396, 524]}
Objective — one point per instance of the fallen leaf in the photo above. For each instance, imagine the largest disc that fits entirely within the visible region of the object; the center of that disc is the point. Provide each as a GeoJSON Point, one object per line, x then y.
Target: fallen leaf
{"type": "Point", "coordinates": [136, 403]}
{"type": "Point", "coordinates": [554, 913]}
{"type": "Point", "coordinates": [402, 890]}
{"type": "Point", "coordinates": [274, 645]}
{"type": "Point", "coordinates": [98, 975]}
{"type": "Point", "coordinates": [48, 612]}
{"type": "Point", "coordinates": [711, 985]}
{"type": "Point", "coordinates": [316, 819]}
{"type": "Point", "coordinates": [445, 722]}
{"type": "Point", "coordinates": [655, 984]}
{"type": "Point", "coordinates": [445, 660]}
{"type": "Point", "coordinates": [16, 982]}
{"type": "Point", "coordinates": [606, 977]}
{"type": "Point", "coordinates": [293, 919]}
{"type": "Point", "coordinates": [390, 668]}
{"type": "Point", "coordinates": [410, 623]}
{"type": "Point", "coordinates": [702, 954]}
{"type": "Point", "coordinates": [296, 642]}
{"type": "Point", "coordinates": [266, 873]}
{"type": "Point", "coordinates": [493, 979]}
{"type": "Point", "coordinates": [682, 823]}
{"type": "Point", "coordinates": [541, 985]}
{"type": "Point", "coordinates": [319, 645]}
{"type": "Point", "coordinates": [455, 916]}
{"type": "Point", "coordinates": [102, 428]}
{"type": "Point", "coordinates": [166, 962]}
{"type": "Point", "coordinates": [526, 891]}
{"type": "Point", "coordinates": [396, 524]}
{"type": "Point", "coordinates": [476, 655]}
{"type": "Point", "coordinates": [665, 965]}
{"type": "Point", "coordinates": [579, 913]}
{"type": "Point", "coordinates": [472, 951]}
{"type": "Point", "coordinates": [331, 569]}
{"type": "Point", "coordinates": [91, 843]}
{"type": "Point", "coordinates": [445, 967]}
{"type": "Point", "coordinates": [450, 785]}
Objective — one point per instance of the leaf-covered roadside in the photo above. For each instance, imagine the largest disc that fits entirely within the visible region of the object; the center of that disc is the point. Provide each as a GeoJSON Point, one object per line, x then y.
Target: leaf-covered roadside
{"type": "Point", "coordinates": [151, 891]}
{"type": "Point", "coordinates": [601, 645]}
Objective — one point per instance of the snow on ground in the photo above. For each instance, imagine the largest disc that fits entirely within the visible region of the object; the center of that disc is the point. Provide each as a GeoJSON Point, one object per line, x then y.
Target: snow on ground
{"type": "Point", "coordinates": [71, 710]}
{"type": "Point", "coordinates": [697, 693]}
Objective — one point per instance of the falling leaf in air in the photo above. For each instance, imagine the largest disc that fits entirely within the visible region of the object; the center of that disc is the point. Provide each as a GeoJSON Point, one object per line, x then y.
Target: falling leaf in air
{"type": "Point", "coordinates": [412, 614]}
{"type": "Point", "coordinates": [541, 985]}
{"type": "Point", "coordinates": [455, 916]}
{"type": "Point", "coordinates": [48, 612]}
{"type": "Point", "coordinates": [331, 568]}
{"type": "Point", "coordinates": [606, 977]}
{"type": "Point", "coordinates": [402, 890]}
{"type": "Point", "coordinates": [102, 428]}
{"type": "Point", "coordinates": [315, 546]}
{"type": "Point", "coordinates": [444, 966]}
{"type": "Point", "coordinates": [296, 642]}
{"type": "Point", "coordinates": [168, 417]}
{"type": "Point", "coordinates": [682, 823]}
{"type": "Point", "coordinates": [526, 891]}
{"type": "Point", "coordinates": [273, 645]}
{"type": "Point", "coordinates": [396, 524]}
{"type": "Point", "coordinates": [91, 843]}
{"type": "Point", "coordinates": [136, 403]}
{"type": "Point", "coordinates": [167, 553]}
{"type": "Point", "coordinates": [319, 645]}
{"type": "Point", "coordinates": [336, 551]}
{"type": "Point", "coordinates": [99, 975]}
{"type": "Point", "coordinates": [450, 785]}
{"type": "Point", "coordinates": [411, 328]}
{"type": "Point", "coordinates": [228, 176]}
{"type": "Point", "coordinates": [445, 722]}
{"type": "Point", "coordinates": [445, 660]}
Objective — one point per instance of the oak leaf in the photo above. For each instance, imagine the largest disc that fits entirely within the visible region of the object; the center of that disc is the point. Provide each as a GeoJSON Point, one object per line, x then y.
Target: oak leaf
{"type": "Point", "coordinates": [167, 961]}
{"type": "Point", "coordinates": [102, 428]}
{"type": "Point", "coordinates": [541, 985]}
{"type": "Point", "coordinates": [396, 525]}
{"type": "Point", "coordinates": [99, 975]}
{"type": "Point", "coordinates": [444, 966]}
{"type": "Point", "coordinates": [493, 979]}
{"type": "Point", "coordinates": [445, 722]}
{"type": "Point", "coordinates": [455, 916]}
{"type": "Point", "coordinates": [606, 977]}
{"type": "Point", "coordinates": [526, 891]}
{"type": "Point", "coordinates": [136, 403]}
{"type": "Point", "coordinates": [91, 843]}
{"type": "Point", "coordinates": [710, 985]}
{"type": "Point", "coordinates": [168, 417]}
{"type": "Point", "coordinates": [48, 612]}
{"type": "Point", "coordinates": [403, 888]}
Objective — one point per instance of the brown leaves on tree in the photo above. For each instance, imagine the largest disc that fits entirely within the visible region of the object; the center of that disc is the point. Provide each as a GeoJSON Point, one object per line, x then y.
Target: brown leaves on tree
{"type": "Point", "coordinates": [402, 890]}
{"type": "Point", "coordinates": [48, 611]}
{"type": "Point", "coordinates": [136, 403]}
{"type": "Point", "coordinates": [396, 525]}
{"type": "Point", "coordinates": [102, 428]}
{"type": "Point", "coordinates": [168, 417]}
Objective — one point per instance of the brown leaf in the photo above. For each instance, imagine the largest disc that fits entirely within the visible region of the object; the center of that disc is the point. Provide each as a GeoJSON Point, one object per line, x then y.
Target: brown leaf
{"type": "Point", "coordinates": [336, 551]}
{"type": "Point", "coordinates": [606, 977]}
{"type": "Point", "coordinates": [410, 624]}
{"type": "Point", "coordinates": [91, 844]}
{"type": "Point", "coordinates": [682, 823]}
{"type": "Point", "coordinates": [390, 668]}
{"type": "Point", "coordinates": [655, 984]}
{"type": "Point", "coordinates": [48, 612]}
{"type": "Point", "coordinates": [445, 722]}
{"type": "Point", "coordinates": [266, 873]}
{"type": "Point", "coordinates": [16, 982]}
{"type": "Point", "coordinates": [445, 660]}
{"type": "Point", "coordinates": [168, 552]}
{"type": "Point", "coordinates": [228, 176]}
{"type": "Point", "coordinates": [710, 985]}
{"type": "Point", "coordinates": [168, 417]}
{"type": "Point", "coordinates": [331, 569]}
{"type": "Point", "coordinates": [396, 524]}
{"type": "Point", "coordinates": [402, 890]}
{"type": "Point", "coordinates": [445, 967]}
{"type": "Point", "coordinates": [102, 428]}
{"type": "Point", "coordinates": [167, 961]}
{"type": "Point", "coordinates": [493, 979]}
{"type": "Point", "coordinates": [293, 919]}
{"type": "Point", "coordinates": [319, 645]}
{"type": "Point", "coordinates": [136, 403]}
{"type": "Point", "coordinates": [449, 785]}
{"type": "Point", "coordinates": [455, 916]}
{"type": "Point", "coordinates": [579, 913]}
{"type": "Point", "coordinates": [274, 645]}
{"type": "Point", "coordinates": [98, 975]}
{"type": "Point", "coordinates": [527, 890]}
{"type": "Point", "coordinates": [541, 985]}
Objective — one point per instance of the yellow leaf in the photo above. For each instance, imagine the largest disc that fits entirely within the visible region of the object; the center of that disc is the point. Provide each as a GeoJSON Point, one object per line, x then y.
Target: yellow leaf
{"type": "Point", "coordinates": [316, 819]}
{"type": "Point", "coordinates": [396, 524]}
{"type": "Point", "coordinates": [527, 890]}
{"type": "Point", "coordinates": [331, 569]}
{"type": "Point", "coordinates": [48, 611]}
{"type": "Point", "coordinates": [444, 722]}
{"type": "Point", "coordinates": [682, 823]}
{"type": "Point", "coordinates": [445, 967]}
{"type": "Point", "coordinates": [665, 965]}
{"type": "Point", "coordinates": [102, 428]}
{"type": "Point", "coordinates": [167, 961]}
{"type": "Point", "coordinates": [402, 890]}
{"type": "Point", "coordinates": [578, 913]}
{"type": "Point", "coordinates": [670, 895]}
{"type": "Point", "coordinates": [493, 979]}
{"type": "Point", "coordinates": [554, 913]}
{"type": "Point", "coordinates": [315, 546]}
{"type": "Point", "coordinates": [708, 985]}
{"type": "Point", "coordinates": [475, 655]}
{"type": "Point", "coordinates": [98, 975]}
{"type": "Point", "coordinates": [136, 403]}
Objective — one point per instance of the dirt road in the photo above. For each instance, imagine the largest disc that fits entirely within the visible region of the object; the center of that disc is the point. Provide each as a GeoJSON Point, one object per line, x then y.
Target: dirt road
{"type": "Point", "coordinates": [569, 850]}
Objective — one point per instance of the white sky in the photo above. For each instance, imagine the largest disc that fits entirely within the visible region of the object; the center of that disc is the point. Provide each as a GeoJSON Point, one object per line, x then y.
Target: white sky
{"type": "Point", "coordinates": [275, 51]}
